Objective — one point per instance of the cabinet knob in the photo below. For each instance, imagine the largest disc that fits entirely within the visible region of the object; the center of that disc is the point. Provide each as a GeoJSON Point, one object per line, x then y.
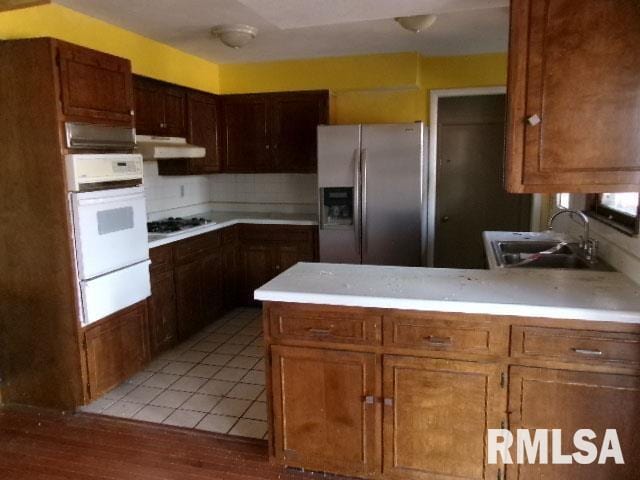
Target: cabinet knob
{"type": "Point", "coordinates": [267, 147]}
{"type": "Point", "coordinates": [534, 120]}
{"type": "Point", "coordinates": [445, 219]}
{"type": "Point", "coordinates": [369, 400]}
{"type": "Point", "coordinates": [132, 113]}
{"type": "Point", "coordinates": [277, 267]}
{"type": "Point", "coordinates": [388, 402]}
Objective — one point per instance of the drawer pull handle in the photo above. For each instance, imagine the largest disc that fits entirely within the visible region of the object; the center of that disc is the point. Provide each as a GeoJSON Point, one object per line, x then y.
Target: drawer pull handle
{"type": "Point", "coordinates": [439, 341]}
{"type": "Point", "coordinates": [322, 332]}
{"type": "Point", "coordinates": [587, 352]}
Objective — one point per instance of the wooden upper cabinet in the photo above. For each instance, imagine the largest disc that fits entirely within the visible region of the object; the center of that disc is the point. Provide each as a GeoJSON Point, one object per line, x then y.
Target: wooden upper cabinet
{"type": "Point", "coordinates": [559, 399]}
{"type": "Point", "coordinates": [160, 108]}
{"type": "Point", "coordinates": [294, 121]}
{"type": "Point", "coordinates": [436, 417]}
{"type": "Point", "coordinates": [325, 414]}
{"type": "Point", "coordinates": [203, 124]}
{"type": "Point", "coordinates": [246, 142]}
{"type": "Point", "coordinates": [574, 96]}
{"type": "Point", "coordinates": [95, 87]}
{"type": "Point", "coordinates": [273, 132]}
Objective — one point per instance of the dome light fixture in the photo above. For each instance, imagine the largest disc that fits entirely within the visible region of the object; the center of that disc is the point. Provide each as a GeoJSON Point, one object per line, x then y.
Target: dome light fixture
{"type": "Point", "coordinates": [234, 36]}
{"type": "Point", "coordinates": [416, 23]}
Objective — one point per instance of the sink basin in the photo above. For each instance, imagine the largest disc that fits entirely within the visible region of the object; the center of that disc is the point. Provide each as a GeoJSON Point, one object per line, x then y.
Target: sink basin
{"type": "Point", "coordinates": [533, 247]}
{"type": "Point", "coordinates": [543, 254]}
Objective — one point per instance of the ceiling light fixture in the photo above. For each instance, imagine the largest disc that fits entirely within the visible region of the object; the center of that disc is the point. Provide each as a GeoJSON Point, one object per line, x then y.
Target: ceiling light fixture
{"type": "Point", "coordinates": [416, 23]}
{"type": "Point", "coordinates": [234, 36]}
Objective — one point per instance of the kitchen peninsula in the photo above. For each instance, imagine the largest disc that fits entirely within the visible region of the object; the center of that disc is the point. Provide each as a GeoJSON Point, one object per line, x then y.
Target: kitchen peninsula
{"type": "Point", "coordinates": [388, 372]}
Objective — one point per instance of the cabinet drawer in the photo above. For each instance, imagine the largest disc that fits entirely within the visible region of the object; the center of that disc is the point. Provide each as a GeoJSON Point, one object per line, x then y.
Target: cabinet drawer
{"type": "Point", "coordinates": [161, 259]}
{"type": "Point", "coordinates": [187, 250]}
{"type": "Point", "coordinates": [277, 233]}
{"type": "Point", "coordinates": [576, 345]}
{"type": "Point", "coordinates": [440, 333]}
{"type": "Point", "coordinates": [326, 326]}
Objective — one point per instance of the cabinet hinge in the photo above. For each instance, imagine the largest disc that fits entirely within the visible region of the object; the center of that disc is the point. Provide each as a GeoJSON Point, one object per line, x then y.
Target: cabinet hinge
{"type": "Point", "coordinates": [499, 477]}
{"type": "Point", "coordinates": [503, 380]}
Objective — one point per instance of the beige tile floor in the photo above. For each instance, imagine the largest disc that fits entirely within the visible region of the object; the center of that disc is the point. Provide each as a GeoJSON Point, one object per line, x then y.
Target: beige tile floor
{"type": "Point", "coordinates": [214, 381]}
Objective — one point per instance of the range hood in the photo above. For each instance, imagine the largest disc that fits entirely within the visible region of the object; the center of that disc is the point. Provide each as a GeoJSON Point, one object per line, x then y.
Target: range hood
{"type": "Point", "coordinates": [164, 148]}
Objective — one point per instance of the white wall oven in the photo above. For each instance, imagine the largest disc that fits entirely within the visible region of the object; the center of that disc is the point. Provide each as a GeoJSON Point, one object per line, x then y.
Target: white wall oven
{"type": "Point", "coordinates": [110, 233]}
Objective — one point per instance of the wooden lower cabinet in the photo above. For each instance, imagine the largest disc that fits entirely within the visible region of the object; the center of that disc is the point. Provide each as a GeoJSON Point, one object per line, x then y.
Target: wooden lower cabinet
{"type": "Point", "coordinates": [398, 408]}
{"type": "Point", "coordinates": [323, 420]}
{"type": "Point", "coordinates": [436, 416]}
{"type": "Point", "coordinates": [547, 398]}
{"type": "Point", "coordinates": [189, 298]}
{"type": "Point", "coordinates": [163, 321]}
{"type": "Point", "coordinates": [117, 347]}
{"type": "Point", "coordinates": [257, 267]}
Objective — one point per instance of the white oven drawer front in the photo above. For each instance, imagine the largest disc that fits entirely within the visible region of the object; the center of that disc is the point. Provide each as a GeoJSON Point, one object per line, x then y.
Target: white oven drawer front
{"type": "Point", "coordinates": [110, 228]}
{"type": "Point", "coordinates": [114, 291]}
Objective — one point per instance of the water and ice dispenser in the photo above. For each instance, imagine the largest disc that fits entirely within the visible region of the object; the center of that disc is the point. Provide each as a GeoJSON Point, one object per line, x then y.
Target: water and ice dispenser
{"type": "Point", "coordinates": [337, 206]}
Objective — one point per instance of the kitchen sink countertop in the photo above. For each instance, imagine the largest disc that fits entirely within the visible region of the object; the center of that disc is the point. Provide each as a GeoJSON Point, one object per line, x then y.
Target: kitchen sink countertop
{"type": "Point", "coordinates": [562, 294]}
{"type": "Point", "coordinates": [220, 220]}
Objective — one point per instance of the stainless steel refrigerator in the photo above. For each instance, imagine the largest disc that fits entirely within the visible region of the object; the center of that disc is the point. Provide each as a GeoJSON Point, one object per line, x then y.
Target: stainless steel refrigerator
{"type": "Point", "coordinates": [371, 181]}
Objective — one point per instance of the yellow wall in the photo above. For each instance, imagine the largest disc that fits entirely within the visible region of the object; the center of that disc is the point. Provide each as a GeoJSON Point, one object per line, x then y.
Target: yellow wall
{"type": "Point", "coordinates": [365, 88]}
{"type": "Point", "coordinates": [369, 88]}
{"type": "Point", "coordinates": [148, 57]}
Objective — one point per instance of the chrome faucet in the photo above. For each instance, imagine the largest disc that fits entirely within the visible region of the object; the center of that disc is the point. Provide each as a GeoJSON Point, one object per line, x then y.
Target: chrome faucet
{"type": "Point", "coordinates": [588, 246]}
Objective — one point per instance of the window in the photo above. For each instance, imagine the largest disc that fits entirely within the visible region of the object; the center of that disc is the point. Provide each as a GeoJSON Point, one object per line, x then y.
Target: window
{"type": "Point", "coordinates": [563, 200]}
{"type": "Point", "coordinates": [620, 210]}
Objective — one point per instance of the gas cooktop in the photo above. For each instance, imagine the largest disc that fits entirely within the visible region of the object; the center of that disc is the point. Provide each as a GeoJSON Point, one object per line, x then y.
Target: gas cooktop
{"type": "Point", "coordinates": [175, 224]}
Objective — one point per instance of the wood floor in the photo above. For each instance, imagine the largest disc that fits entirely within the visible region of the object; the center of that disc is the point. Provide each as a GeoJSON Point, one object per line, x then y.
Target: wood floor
{"type": "Point", "coordinates": [37, 445]}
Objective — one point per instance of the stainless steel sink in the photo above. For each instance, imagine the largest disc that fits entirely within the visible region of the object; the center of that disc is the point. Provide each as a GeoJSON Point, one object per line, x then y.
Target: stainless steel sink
{"type": "Point", "coordinates": [544, 254]}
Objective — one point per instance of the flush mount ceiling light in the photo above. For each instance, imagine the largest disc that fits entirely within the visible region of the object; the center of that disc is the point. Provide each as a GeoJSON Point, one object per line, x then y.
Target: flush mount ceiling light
{"type": "Point", "coordinates": [416, 23]}
{"type": "Point", "coordinates": [234, 36]}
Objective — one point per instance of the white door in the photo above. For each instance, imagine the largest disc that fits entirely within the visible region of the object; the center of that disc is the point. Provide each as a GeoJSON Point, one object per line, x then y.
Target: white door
{"type": "Point", "coordinates": [110, 228]}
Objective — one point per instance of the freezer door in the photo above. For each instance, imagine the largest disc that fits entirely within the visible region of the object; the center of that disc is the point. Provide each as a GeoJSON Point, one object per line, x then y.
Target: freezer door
{"type": "Point", "coordinates": [392, 194]}
{"type": "Point", "coordinates": [339, 166]}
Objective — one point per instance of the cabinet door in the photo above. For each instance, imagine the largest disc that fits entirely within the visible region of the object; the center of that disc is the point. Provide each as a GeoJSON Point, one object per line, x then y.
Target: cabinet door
{"type": "Point", "coordinates": [436, 417]}
{"type": "Point", "coordinates": [247, 147]}
{"type": "Point", "coordinates": [287, 255]}
{"type": "Point", "coordinates": [95, 86]}
{"type": "Point", "coordinates": [189, 298]}
{"type": "Point", "coordinates": [294, 123]}
{"type": "Point", "coordinates": [322, 419]}
{"type": "Point", "coordinates": [203, 127]}
{"type": "Point", "coordinates": [174, 108]}
{"type": "Point", "coordinates": [551, 399]}
{"type": "Point", "coordinates": [230, 279]}
{"type": "Point", "coordinates": [574, 96]}
{"type": "Point", "coordinates": [257, 268]}
{"type": "Point", "coordinates": [212, 292]}
{"type": "Point", "coordinates": [149, 107]}
{"type": "Point", "coordinates": [117, 347]}
{"type": "Point", "coordinates": [163, 323]}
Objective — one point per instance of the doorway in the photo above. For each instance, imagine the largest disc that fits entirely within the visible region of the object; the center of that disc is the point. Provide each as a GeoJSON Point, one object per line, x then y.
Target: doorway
{"type": "Point", "coordinates": [469, 193]}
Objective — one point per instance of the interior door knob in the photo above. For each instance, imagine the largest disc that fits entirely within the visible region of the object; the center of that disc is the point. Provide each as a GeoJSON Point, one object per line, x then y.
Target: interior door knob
{"type": "Point", "coordinates": [445, 219]}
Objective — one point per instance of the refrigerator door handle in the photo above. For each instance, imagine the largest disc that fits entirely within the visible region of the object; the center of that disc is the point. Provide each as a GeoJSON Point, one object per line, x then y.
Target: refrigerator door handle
{"type": "Point", "coordinates": [356, 198]}
{"type": "Point", "coordinates": [363, 167]}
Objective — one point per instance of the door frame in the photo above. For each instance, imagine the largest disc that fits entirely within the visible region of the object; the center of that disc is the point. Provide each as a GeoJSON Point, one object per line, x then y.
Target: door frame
{"type": "Point", "coordinates": [434, 98]}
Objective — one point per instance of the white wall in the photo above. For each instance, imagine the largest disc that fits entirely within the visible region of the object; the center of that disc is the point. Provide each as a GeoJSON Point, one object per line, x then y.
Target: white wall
{"type": "Point", "coordinates": [619, 250]}
{"type": "Point", "coordinates": [193, 194]}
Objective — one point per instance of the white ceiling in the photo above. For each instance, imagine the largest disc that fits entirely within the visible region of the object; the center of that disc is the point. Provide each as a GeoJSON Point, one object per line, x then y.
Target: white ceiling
{"type": "Point", "coordinates": [291, 29]}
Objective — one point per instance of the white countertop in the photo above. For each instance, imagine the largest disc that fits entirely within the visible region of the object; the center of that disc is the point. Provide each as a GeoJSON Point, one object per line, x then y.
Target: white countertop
{"type": "Point", "coordinates": [225, 219]}
{"type": "Point", "coordinates": [567, 294]}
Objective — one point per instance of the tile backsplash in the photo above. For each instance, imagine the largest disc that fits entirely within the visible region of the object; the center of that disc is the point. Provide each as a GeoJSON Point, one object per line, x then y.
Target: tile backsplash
{"type": "Point", "coordinates": [190, 195]}
{"type": "Point", "coordinates": [287, 193]}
